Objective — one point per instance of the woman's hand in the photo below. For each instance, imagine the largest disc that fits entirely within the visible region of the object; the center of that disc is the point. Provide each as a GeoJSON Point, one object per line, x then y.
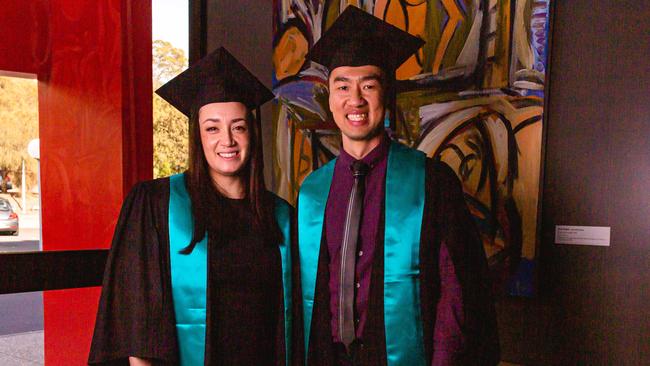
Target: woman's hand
{"type": "Point", "coordinates": [134, 361]}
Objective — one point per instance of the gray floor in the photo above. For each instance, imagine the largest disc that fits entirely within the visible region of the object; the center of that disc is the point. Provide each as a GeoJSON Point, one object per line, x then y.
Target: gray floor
{"type": "Point", "coordinates": [21, 313]}
{"type": "Point", "coordinates": [23, 349]}
{"type": "Point", "coordinates": [21, 323]}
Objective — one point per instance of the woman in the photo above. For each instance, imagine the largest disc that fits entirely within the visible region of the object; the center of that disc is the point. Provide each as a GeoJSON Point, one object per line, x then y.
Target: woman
{"type": "Point", "coordinates": [199, 270]}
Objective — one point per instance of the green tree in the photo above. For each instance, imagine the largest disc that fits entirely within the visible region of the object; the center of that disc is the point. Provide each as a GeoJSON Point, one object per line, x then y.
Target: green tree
{"type": "Point", "coordinates": [170, 127]}
{"type": "Point", "coordinates": [168, 61]}
{"type": "Point", "coordinates": [18, 125]}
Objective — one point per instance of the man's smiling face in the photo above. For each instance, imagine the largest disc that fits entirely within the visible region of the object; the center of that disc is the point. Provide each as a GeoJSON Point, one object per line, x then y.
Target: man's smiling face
{"type": "Point", "coordinates": [356, 101]}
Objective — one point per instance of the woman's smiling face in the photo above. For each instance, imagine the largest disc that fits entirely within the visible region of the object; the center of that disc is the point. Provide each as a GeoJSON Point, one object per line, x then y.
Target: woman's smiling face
{"type": "Point", "coordinates": [225, 137]}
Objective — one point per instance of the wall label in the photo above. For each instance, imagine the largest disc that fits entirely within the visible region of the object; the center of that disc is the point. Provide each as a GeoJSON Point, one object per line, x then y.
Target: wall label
{"type": "Point", "coordinates": [582, 235]}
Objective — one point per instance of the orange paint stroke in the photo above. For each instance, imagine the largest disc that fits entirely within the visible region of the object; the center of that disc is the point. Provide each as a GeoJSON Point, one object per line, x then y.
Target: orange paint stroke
{"type": "Point", "coordinates": [380, 8]}
{"type": "Point", "coordinates": [353, 3]}
{"type": "Point", "coordinates": [455, 17]}
{"type": "Point", "coordinates": [417, 15]}
{"type": "Point", "coordinates": [289, 54]}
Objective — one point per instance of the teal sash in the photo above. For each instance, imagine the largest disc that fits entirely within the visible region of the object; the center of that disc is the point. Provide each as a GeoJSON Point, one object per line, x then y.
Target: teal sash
{"type": "Point", "coordinates": [404, 203]}
{"type": "Point", "coordinates": [311, 213]}
{"type": "Point", "coordinates": [189, 274]}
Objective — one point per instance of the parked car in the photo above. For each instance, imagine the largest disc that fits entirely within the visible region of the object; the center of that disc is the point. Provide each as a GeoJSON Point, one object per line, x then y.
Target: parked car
{"type": "Point", "coordinates": [8, 218]}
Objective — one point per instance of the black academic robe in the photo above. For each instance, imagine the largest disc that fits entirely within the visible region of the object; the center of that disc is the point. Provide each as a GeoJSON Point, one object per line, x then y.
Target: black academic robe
{"type": "Point", "coordinates": [136, 310]}
{"type": "Point", "coordinates": [446, 219]}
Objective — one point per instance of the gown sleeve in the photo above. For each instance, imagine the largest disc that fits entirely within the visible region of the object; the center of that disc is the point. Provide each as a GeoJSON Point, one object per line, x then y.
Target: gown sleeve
{"type": "Point", "coordinates": [480, 342]}
{"type": "Point", "coordinates": [448, 334]}
{"type": "Point", "coordinates": [135, 314]}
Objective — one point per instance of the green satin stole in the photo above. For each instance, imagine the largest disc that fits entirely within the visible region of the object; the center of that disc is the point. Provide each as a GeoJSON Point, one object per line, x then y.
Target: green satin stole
{"type": "Point", "coordinates": [404, 206]}
{"type": "Point", "coordinates": [189, 274]}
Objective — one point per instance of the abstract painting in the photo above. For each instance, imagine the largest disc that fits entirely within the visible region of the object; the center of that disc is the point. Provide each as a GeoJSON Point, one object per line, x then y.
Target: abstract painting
{"type": "Point", "coordinates": [473, 97]}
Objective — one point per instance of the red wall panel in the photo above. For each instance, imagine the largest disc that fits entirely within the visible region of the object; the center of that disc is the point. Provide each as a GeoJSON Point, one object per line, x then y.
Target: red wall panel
{"type": "Point", "coordinates": [93, 61]}
{"type": "Point", "coordinates": [24, 40]}
{"type": "Point", "coordinates": [80, 101]}
{"type": "Point", "coordinates": [96, 142]}
{"type": "Point", "coordinates": [69, 318]}
{"type": "Point", "coordinates": [137, 113]}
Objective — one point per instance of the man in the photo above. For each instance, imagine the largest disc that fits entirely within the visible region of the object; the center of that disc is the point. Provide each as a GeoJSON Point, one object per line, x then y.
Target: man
{"type": "Point", "coordinates": [392, 270]}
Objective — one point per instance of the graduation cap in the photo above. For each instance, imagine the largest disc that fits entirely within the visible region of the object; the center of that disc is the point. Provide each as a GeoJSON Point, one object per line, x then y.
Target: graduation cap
{"type": "Point", "coordinates": [218, 77]}
{"type": "Point", "coordinates": [357, 38]}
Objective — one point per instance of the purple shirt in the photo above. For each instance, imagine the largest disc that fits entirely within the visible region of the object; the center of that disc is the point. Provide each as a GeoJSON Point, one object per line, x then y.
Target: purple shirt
{"type": "Point", "coordinates": [447, 331]}
{"type": "Point", "coordinates": [337, 204]}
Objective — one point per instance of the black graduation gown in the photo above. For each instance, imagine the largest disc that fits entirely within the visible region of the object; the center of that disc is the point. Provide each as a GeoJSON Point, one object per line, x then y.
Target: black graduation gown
{"type": "Point", "coordinates": [136, 311]}
{"type": "Point", "coordinates": [446, 219]}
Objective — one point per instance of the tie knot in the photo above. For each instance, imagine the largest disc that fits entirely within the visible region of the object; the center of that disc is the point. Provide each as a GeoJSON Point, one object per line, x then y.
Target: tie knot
{"type": "Point", "coordinates": [359, 169]}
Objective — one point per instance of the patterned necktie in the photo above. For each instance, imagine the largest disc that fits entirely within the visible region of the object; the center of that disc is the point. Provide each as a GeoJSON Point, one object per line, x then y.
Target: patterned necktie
{"type": "Point", "coordinates": [348, 254]}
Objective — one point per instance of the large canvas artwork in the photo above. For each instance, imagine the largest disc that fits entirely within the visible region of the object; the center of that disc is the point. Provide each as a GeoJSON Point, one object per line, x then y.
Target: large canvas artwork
{"type": "Point", "coordinates": [473, 97]}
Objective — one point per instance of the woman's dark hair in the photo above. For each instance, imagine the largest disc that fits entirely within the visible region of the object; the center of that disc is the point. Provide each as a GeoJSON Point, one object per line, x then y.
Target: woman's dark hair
{"type": "Point", "coordinates": [209, 205]}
